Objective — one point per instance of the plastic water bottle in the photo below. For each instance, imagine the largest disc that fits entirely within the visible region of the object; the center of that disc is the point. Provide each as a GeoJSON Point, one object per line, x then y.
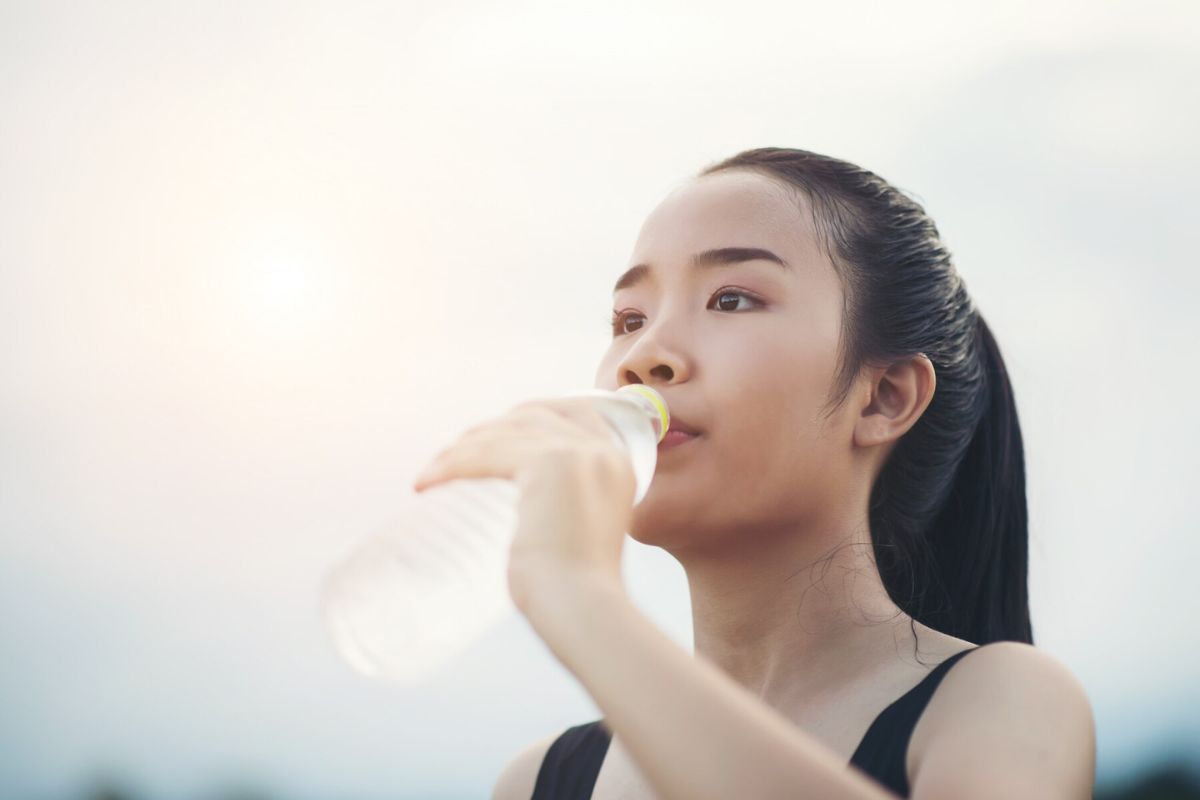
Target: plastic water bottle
{"type": "Point", "coordinates": [411, 597]}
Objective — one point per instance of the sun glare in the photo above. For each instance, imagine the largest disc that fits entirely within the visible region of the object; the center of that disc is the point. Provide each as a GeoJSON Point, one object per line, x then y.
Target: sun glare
{"type": "Point", "coordinates": [286, 289]}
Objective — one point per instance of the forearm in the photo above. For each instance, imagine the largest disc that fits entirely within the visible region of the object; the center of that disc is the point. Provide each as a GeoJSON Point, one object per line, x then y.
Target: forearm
{"type": "Point", "coordinates": [692, 731]}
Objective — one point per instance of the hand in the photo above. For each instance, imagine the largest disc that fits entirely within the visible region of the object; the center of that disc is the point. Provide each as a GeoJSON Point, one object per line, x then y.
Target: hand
{"type": "Point", "coordinates": [576, 487]}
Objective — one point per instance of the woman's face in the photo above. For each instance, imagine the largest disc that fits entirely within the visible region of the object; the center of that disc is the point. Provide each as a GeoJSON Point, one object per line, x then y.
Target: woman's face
{"type": "Point", "coordinates": [751, 373]}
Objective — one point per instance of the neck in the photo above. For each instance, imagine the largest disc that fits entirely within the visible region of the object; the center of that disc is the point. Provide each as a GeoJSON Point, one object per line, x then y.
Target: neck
{"type": "Point", "coordinates": [801, 611]}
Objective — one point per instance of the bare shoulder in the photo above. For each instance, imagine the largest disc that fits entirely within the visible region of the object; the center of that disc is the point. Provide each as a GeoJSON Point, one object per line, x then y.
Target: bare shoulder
{"type": "Point", "coordinates": [1013, 672]}
{"type": "Point", "coordinates": [519, 776]}
{"type": "Point", "coordinates": [1010, 717]}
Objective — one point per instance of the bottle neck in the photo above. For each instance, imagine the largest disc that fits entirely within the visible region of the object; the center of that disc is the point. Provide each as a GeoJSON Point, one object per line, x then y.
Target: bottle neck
{"type": "Point", "coordinates": [652, 403]}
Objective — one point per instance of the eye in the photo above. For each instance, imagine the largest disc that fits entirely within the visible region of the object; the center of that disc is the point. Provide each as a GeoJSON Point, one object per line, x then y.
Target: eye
{"type": "Point", "coordinates": [619, 318]}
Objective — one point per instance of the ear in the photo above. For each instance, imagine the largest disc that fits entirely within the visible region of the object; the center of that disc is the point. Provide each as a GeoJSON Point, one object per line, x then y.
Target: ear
{"type": "Point", "coordinates": [898, 396]}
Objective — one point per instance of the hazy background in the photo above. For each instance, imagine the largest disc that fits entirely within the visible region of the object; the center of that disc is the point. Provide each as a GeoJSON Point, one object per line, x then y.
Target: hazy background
{"type": "Point", "coordinates": [259, 261]}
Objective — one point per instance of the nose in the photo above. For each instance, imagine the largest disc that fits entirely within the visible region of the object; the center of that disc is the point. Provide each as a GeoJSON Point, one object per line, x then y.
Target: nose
{"type": "Point", "coordinates": [653, 360]}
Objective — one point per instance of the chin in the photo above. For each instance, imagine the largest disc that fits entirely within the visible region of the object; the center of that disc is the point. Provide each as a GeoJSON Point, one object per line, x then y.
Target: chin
{"type": "Point", "coordinates": [661, 527]}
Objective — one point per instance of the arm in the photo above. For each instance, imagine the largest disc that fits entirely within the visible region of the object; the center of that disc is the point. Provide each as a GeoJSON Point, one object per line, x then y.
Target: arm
{"type": "Point", "coordinates": [692, 731]}
{"type": "Point", "coordinates": [1008, 721]}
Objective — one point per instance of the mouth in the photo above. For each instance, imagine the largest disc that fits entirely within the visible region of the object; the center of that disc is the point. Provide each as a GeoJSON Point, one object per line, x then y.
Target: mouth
{"type": "Point", "coordinates": [678, 424]}
{"type": "Point", "coordinates": [676, 438]}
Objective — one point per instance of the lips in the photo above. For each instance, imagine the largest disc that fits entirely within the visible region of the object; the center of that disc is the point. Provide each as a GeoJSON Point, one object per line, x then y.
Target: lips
{"type": "Point", "coordinates": [675, 438]}
{"type": "Point", "coordinates": [681, 426]}
{"type": "Point", "coordinates": [678, 433]}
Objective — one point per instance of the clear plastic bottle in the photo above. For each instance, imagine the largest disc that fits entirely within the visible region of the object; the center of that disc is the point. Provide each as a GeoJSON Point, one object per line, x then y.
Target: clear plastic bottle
{"type": "Point", "coordinates": [411, 597]}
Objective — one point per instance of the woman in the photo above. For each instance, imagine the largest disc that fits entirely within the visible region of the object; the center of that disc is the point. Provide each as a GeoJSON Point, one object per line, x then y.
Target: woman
{"type": "Point", "coordinates": [849, 508]}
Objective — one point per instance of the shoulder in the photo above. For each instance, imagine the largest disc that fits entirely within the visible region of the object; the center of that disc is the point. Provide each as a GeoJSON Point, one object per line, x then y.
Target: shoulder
{"type": "Point", "coordinates": [1001, 674]}
{"type": "Point", "coordinates": [1009, 717]}
{"type": "Point", "coordinates": [519, 776]}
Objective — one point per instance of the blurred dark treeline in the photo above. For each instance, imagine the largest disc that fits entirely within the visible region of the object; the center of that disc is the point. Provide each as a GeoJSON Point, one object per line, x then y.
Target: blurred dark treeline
{"type": "Point", "coordinates": [1171, 781]}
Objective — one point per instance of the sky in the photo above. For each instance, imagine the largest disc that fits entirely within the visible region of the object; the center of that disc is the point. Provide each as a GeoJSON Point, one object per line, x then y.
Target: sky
{"type": "Point", "coordinates": [260, 261]}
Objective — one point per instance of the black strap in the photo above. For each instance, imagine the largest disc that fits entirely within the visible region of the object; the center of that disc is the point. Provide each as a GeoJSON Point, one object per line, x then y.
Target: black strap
{"type": "Point", "coordinates": [884, 748]}
{"type": "Point", "coordinates": [570, 767]}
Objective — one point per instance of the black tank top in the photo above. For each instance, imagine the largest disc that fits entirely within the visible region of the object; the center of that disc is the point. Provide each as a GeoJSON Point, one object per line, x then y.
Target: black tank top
{"type": "Point", "coordinates": [570, 766]}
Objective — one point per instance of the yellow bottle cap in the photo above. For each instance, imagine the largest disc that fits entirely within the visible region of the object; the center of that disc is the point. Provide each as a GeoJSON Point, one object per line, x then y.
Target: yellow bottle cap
{"type": "Point", "coordinates": [657, 400]}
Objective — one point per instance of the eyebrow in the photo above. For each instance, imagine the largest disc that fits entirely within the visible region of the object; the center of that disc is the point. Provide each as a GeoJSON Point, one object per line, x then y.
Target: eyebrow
{"type": "Point", "coordinates": [719, 257]}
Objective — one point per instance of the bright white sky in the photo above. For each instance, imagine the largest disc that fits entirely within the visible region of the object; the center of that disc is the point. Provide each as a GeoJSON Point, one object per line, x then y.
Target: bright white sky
{"type": "Point", "coordinates": [259, 261]}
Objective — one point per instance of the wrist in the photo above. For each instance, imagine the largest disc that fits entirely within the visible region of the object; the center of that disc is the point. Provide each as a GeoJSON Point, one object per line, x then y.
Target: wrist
{"type": "Point", "coordinates": [575, 611]}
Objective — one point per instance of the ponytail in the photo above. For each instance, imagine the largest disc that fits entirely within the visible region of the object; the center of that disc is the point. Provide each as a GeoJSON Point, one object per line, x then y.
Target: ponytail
{"type": "Point", "coordinates": [979, 540]}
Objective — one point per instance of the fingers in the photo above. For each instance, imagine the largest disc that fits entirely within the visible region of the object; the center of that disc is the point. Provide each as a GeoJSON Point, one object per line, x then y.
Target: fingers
{"type": "Point", "coordinates": [502, 446]}
{"type": "Point", "coordinates": [579, 410]}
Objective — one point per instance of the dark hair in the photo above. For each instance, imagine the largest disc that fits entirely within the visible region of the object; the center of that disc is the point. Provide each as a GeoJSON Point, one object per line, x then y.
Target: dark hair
{"type": "Point", "coordinates": [949, 523]}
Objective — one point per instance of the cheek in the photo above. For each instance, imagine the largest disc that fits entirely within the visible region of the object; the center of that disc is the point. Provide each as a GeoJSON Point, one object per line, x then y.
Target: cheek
{"type": "Point", "coordinates": [776, 464]}
{"type": "Point", "coordinates": [773, 412]}
{"type": "Point", "coordinates": [774, 438]}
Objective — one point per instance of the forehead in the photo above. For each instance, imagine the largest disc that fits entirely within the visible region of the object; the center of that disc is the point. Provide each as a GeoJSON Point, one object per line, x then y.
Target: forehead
{"type": "Point", "coordinates": [733, 208]}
